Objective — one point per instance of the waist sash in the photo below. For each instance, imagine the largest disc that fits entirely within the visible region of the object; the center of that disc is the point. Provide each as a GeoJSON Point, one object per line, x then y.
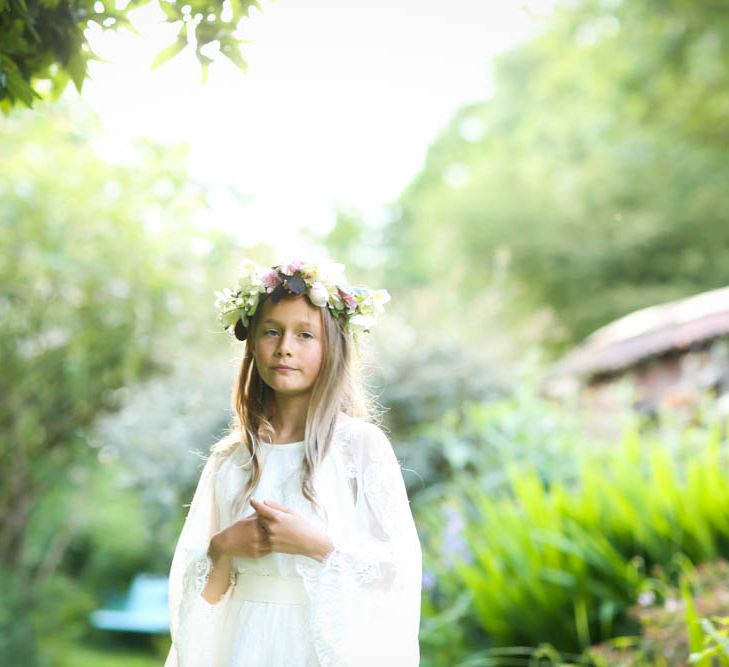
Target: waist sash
{"type": "Point", "coordinates": [269, 588]}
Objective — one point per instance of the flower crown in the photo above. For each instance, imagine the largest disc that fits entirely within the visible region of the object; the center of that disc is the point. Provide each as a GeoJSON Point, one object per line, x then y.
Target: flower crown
{"type": "Point", "coordinates": [324, 284]}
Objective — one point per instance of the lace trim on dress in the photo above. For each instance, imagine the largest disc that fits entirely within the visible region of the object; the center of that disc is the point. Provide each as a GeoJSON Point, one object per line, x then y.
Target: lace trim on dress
{"type": "Point", "coordinates": [202, 568]}
{"type": "Point", "coordinates": [347, 455]}
{"type": "Point", "coordinates": [372, 575]}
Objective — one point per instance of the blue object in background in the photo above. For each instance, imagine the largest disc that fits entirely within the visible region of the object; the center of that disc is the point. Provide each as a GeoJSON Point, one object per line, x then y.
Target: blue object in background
{"type": "Point", "coordinates": [143, 609]}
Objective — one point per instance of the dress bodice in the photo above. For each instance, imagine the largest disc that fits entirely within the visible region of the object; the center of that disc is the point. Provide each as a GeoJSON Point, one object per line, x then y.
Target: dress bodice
{"type": "Point", "coordinates": [281, 481]}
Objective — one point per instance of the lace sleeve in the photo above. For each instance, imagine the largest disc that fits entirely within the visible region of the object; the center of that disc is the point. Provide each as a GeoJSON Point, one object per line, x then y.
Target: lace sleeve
{"type": "Point", "coordinates": [365, 596]}
{"type": "Point", "coordinates": [192, 618]}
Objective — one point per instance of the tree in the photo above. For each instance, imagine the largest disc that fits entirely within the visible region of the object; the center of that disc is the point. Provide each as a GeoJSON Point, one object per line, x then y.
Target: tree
{"type": "Point", "coordinates": [44, 39]}
{"type": "Point", "coordinates": [590, 184]}
{"type": "Point", "coordinates": [104, 277]}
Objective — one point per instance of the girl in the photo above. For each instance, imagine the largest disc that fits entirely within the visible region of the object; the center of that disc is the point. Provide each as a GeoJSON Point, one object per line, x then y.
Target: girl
{"type": "Point", "coordinates": [299, 548]}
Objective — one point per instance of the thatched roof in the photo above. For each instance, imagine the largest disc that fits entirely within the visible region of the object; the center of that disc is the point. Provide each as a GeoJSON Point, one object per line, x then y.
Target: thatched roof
{"type": "Point", "coordinates": [649, 332]}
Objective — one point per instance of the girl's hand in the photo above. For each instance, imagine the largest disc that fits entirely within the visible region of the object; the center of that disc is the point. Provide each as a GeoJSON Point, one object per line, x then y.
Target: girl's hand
{"type": "Point", "coordinates": [289, 532]}
{"type": "Point", "coordinates": [244, 538]}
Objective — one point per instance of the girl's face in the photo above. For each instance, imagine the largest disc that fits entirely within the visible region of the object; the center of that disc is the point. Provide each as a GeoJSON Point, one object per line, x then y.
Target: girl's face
{"type": "Point", "coordinates": [287, 346]}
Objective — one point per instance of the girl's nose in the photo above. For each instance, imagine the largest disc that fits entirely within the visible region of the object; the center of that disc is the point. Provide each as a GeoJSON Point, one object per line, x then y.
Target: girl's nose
{"type": "Point", "coordinates": [284, 346]}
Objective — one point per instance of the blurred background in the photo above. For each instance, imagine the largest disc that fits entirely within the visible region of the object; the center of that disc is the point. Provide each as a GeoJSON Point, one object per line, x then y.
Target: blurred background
{"type": "Point", "coordinates": [542, 187]}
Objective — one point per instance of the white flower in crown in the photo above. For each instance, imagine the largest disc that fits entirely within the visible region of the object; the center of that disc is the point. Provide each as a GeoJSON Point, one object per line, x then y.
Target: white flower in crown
{"type": "Point", "coordinates": [229, 304]}
{"type": "Point", "coordinates": [373, 302]}
{"type": "Point", "coordinates": [379, 298]}
{"type": "Point", "coordinates": [319, 294]}
{"type": "Point", "coordinates": [361, 322]}
{"type": "Point", "coordinates": [251, 277]}
{"type": "Point", "coordinates": [329, 274]}
{"type": "Point", "coordinates": [224, 298]}
{"type": "Point", "coordinates": [332, 274]}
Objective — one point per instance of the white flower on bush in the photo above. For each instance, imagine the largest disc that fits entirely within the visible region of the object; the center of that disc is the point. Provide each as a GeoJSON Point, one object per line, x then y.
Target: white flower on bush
{"type": "Point", "coordinates": [319, 294]}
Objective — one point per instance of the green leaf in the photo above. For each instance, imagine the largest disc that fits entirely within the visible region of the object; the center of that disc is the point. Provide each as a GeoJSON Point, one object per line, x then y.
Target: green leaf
{"type": "Point", "coordinates": [561, 578]}
{"type": "Point", "coordinates": [77, 69]}
{"type": "Point", "coordinates": [59, 83]}
{"type": "Point", "coordinates": [171, 10]}
{"type": "Point", "coordinates": [720, 639]}
{"type": "Point", "coordinates": [90, 54]}
{"type": "Point", "coordinates": [120, 18]}
{"type": "Point", "coordinates": [230, 48]}
{"type": "Point", "coordinates": [693, 627]}
{"type": "Point", "coordinates": [169, 52]}
{"type": "Point", "coordinates": [20, 89]}
{"type": "Point", "coordinates": [252, 3]}
{"type": "Point", "coordinates": [204, 69]}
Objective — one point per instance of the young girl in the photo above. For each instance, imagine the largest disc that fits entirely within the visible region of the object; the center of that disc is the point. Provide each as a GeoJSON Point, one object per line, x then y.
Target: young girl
{"type": "Point", "coordinates": [299, 548]}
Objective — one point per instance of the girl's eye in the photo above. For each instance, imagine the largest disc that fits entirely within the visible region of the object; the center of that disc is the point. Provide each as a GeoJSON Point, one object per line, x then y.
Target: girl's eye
{"type": "Point", "coordinates": [274, 332]}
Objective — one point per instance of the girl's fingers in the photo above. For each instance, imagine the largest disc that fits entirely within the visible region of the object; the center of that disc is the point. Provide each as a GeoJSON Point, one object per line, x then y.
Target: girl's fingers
{"type": "Point", "coordinates": [263, 510]}
{"type": "Point", "coordinates": [278, 506]}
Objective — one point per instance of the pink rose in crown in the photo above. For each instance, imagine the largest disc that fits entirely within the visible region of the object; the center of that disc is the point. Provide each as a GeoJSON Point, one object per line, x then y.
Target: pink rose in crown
{"type": "Point", "coordinates": [295, 266]}
{"type": "Point", "coordinates": [349, 299]}
{"type": "Point", "coordinates": [270, 279]}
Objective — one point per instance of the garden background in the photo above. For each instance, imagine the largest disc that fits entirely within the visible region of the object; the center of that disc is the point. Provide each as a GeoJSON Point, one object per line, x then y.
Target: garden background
{"type": "Point", "coordinates": [585, 180]}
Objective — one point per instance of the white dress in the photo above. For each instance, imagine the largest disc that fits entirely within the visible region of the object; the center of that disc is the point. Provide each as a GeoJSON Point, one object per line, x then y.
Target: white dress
{"type": "Point", "coordinates": [359, 607]}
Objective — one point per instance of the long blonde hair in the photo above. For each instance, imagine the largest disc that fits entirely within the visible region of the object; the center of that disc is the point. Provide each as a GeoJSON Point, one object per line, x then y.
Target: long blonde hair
{"type": "Point", "coordinates": [338, 388]}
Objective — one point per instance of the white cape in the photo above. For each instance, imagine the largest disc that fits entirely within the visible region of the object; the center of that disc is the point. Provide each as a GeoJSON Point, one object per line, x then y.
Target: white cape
{"type": "Point", "coordinates": [363, 601]}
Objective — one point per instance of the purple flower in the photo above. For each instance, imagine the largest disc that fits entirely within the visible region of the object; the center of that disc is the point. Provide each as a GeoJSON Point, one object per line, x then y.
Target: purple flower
{"type": "Point", "coordinates": [428, 580]}
{"type": "Point", "coordinates": [453, 542]}
{"type": "Point", "coordinates": [646, 598]}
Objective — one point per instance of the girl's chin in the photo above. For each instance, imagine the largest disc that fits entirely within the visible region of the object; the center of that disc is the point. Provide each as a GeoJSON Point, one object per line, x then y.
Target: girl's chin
{"type": "Point", "coordinates": [283, 385]}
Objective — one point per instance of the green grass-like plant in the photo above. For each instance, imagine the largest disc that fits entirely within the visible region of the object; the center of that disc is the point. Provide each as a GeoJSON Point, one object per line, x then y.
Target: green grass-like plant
{"type": "Point", "coordinates": [561, 563]}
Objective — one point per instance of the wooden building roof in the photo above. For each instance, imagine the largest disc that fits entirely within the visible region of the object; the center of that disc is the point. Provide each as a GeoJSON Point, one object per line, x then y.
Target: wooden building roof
{"type": "Point", "coordinates": [649, 332]}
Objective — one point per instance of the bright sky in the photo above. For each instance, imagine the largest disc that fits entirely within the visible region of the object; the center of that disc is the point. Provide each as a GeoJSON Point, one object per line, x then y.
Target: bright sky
{"type": "Point", "coordinates": [339, 104]}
